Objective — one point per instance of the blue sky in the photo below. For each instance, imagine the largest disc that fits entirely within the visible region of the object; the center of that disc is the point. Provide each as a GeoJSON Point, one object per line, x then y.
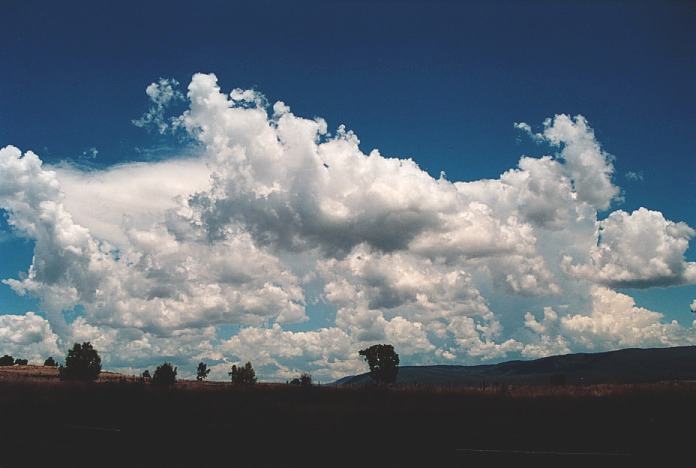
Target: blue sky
{"type": "Point", "coordinates": [440, 82]}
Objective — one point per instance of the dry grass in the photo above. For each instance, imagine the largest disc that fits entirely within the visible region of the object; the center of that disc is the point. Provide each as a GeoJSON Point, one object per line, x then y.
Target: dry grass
{"type": "Point", "coordinates": [33, 373]}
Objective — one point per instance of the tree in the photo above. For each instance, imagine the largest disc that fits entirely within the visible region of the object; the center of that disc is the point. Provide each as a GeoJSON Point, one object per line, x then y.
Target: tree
{"type": "Point", "coordinates": [21, 362]}
{"type": "Point", "coordinates": [146, 375]}
{"type": "Point", "coordinates": [6, 360]}
{"type": "Point", "coordinates": [243, 375]}
{"type": "Point", "coordinates": [304, 380]}
{"type": "Point", "coordinates": [50, 362]}
{"type": "Point", "coordinates": [383, 362]}
{"type": "Point", "coordinates": [202, 371]}
{"type": "Point", "coordinates": [164, 375]}
{"type": "Point", "coordinates": [81, 363]}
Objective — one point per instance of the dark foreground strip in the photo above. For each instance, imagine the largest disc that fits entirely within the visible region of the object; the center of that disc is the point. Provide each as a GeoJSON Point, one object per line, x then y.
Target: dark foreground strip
{"type": "Point", "coordinates": [92, 428]}
{"type": "Point", "coordinates": [542, 452]}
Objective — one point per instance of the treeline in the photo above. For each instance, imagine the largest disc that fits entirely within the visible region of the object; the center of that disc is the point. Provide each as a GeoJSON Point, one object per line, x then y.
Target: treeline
{"type": "Point", "coordinates": [83, 362]}
{"type": "Point", "coordinates": [8, 360]}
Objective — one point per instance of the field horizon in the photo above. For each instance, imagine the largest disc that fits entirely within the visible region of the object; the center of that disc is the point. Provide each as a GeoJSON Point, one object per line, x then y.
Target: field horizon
{"type": "Point", "coordinates": [628, 365]}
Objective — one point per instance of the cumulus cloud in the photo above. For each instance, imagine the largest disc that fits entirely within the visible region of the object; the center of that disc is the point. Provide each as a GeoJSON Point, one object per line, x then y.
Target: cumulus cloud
{"type": "Point", "coordinates": [284, 354]}
{"type": "Point", "coordinates": [276, 214]}
{"type": "Point", "coordinates": [614, 321]}
{"type": "Point", "coordinates": [168, 277]}
{"type": "Point", "coordinates": [27, 336]}
{"type": "Point", "coordinates": [638, 249]}
{"type": "Point", "coordinates": [588, 166]}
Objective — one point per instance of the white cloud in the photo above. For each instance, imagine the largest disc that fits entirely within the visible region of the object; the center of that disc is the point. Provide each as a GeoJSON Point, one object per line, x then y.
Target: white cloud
{"type": "Point", "coordinates": [162, 94]}
{"type": "Point", "coordinates": [590, 168]}
{"type": "Point", "coordinates": [27, 336]}
{"type": "Point", "coordinates": [134, 195]}
{"type": "Point", "coordinates": [294, 188]}
{"type": "Point", "coordinates": [614, 322]}
{"type": "Point", "coordinates": [275, 213]}
{"type": "Point", "coordinates": [168, 277]}
{"type": "Point", "coordinates": [635, 176]}
{"type": "Point", "coordinates": [326, 352]}
{"type": "Point", "coordinates": [638, 249]}
{"type": "Point", "coordinates": [90, 153]}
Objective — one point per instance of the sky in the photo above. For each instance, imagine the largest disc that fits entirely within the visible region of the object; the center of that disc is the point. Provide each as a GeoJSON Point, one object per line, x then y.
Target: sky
{"type": "Point", "coordinates": [287, 183]}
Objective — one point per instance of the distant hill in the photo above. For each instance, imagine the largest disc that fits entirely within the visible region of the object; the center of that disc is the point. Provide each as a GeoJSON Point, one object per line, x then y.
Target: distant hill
{"type": "Point", "coordinates": [624, 366]}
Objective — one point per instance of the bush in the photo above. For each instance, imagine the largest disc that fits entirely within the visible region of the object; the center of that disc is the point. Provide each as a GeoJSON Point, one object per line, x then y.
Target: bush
{"type": "Point", "coordinates": [81, 363]}
{"type": "Point", "coordinates": [383, 362]}
{"type": "Point", "coordinates": [50, 362]}
{"type": "Point", "coordinates": [244, 375]}
{"type": "Point", "coordinates": [202, 371]}
{"type": "Point", "coordinates": [164, 375]}
{"type": "Point", "coordinates": [21, 362]}
{"type": "Point", "coordinates": [6, 360]}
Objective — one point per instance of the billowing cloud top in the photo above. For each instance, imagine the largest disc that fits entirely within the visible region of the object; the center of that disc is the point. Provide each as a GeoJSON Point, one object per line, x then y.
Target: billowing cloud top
{"type": "Point", "coordinates": [277, 220]}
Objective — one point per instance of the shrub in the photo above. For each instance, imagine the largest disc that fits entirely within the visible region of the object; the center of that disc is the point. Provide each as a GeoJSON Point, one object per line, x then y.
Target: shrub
{"type": "Point", "coordinates": [164, 375]}
{"type": "Point", "coordinates": [383, 362]}
{"type": "Point", "coordinates": [81, 363]}
{"type": "Point", "coordinates": [6, 360]}
{"type": "Point", "coordinates": [50, 362]}
{"type": "Point", "coordinates": [202, 371]}
{"type": "Point", "coordinates": [21, 362]}
{"type": "Point", "coordinates": [243, 375]}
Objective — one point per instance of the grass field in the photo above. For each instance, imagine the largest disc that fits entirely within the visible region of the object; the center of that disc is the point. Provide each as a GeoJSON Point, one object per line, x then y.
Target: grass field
{"type": "Point", "coordinates": [118, 421]}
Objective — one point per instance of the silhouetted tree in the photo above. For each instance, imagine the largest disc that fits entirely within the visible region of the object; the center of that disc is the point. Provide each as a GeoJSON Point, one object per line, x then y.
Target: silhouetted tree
{"type": "Point", "coordinates": [164, 375]}
{"type": "Point", "coordinates": [146, 375]}
{"type": "Point", "coordinates": [50, 362]}
{"type": "Point", "coordinates": [383, 362]}
{"type": "Point", "coordinates": [243, 375]}
{"type": "Point", "coordinates": [305, 379]}
{"type": "Point", "coordinates": [6, 360]}
{"type": "Point", "coordinates": [81, 363]}
{"type": "Point", "coordinates": [202, 371]}
{"type": "Point", "coordinates": [21, 362]}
